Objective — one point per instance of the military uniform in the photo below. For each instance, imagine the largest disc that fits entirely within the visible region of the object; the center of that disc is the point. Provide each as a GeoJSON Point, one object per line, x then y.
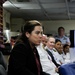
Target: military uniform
{"type": "Point", "coordinates": [63, 39]}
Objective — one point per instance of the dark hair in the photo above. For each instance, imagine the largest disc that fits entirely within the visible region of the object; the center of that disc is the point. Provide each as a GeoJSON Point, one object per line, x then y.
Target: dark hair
{"type": "Point", "coordinates": [65, 45]}
{"type": "Point", "coordinates": [30, 25]}
{"type": "Point", "coordinates": [61, 28]}
{"type": "Point", "coordinates": [57, 40]}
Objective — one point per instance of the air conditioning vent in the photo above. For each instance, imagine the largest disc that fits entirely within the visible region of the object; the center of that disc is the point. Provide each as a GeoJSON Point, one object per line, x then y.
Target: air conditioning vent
{"type": "Point", "coordinates": [23, 0]}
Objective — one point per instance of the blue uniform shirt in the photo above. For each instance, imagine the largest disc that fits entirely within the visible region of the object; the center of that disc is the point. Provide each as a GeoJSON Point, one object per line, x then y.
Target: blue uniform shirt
{"type": "Point", "coordinates": [64, 39]}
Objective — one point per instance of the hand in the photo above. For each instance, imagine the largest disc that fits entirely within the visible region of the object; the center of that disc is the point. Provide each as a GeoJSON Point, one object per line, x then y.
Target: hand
{"type": "Point", "coordinates": [56, 69]}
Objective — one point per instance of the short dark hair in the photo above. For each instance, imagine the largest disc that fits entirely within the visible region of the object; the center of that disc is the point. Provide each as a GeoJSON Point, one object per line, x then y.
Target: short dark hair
{"type": "Point", "coordinates": [65, 45]}
{"type": "Point", "coordinates": [61, 28]}
{"type": "Point", "coordinates": [57, 40]}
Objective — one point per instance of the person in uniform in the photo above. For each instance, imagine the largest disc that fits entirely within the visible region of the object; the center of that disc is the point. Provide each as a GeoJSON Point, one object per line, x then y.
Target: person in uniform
{"type": "Point", "coordinates": [61, 36]}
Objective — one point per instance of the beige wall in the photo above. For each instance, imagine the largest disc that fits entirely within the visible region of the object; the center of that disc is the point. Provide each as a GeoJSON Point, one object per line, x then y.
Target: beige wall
{"type": "Point", "coordinates": [50, 27]}
{"type": "Point", "coordinates": [16, 24]}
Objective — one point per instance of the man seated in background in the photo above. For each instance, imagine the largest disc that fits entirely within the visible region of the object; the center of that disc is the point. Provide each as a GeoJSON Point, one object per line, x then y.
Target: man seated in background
{"type": "Point", "coordinates": [13, 40]}
{"type": "Point", "coordinates": [44, 40]}
{"type": "Point", "coordinates": [46, 61]}
{"type": "Point", "coordinates": [50, 49]}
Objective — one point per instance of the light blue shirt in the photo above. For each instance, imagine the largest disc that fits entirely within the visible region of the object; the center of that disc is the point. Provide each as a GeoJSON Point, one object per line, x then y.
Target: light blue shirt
{"type": "Point", "coordinates": [63, 39]}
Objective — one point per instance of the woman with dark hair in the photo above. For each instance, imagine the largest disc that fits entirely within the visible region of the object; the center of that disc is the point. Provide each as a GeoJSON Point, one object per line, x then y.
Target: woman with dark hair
{"type": "Point", "coordinates": [58, 52]}
{"type": "Point", "coordinates": [66, 48]}
{"type": "Point", "coordinates": [24, 58]}
{"type": "Point", "coordinates": [58, 46]}
{"type": "Point", "coordinates": [66, 53]}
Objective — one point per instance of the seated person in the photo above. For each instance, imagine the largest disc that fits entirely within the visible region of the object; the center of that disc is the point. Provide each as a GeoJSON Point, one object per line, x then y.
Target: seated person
{"type": "Point", "coordinates": [66, 54]}
{"type": "Point", "coordinates": [44, 40]}
{"type": "Point", "coordinates": [58, 51]}
{"type": "Point", "coordinates": [61, 36]}
{"type": "Point", "coordinates": [50, 49]}
{"type": "Point", "coordinates": [46, 61]}
{"type": "Point", "coordinates": [13, 40]}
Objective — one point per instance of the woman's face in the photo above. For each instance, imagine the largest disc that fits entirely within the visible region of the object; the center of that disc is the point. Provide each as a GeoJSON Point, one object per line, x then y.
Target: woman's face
{"type": "Point", "coordinates": [35, 36]}
{"type": "Point", "coordinates": [66, 49]}
{"type": "Point", "coordinates": [59, 47]}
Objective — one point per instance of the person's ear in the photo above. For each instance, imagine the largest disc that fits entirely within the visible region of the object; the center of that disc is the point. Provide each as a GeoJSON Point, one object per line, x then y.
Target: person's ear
{"type": "Point", "coordinates": [27, 34]}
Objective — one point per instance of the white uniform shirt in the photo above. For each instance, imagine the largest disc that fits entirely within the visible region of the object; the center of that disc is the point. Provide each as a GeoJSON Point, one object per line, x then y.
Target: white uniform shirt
{"type": "Point", "coordinates": [52, 51]}
{"type": "Point", "coordinates": [66, 57]}
{"type": "Point", "coordinates": [46, 61]}
{"type": "Point", "coordinates": [58, 57]}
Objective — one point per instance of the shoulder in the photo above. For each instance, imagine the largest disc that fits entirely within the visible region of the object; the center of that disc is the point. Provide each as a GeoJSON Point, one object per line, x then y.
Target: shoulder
{"type": "Point", "coordinates": [65, 37]}
{"type": "Point", "coordinates": [56, 37]}
{"type": "Point", "coordinates": [20, 47]}
{"type": "Point", "coordinates": [54, 50]}
{"type": "Point", "coordinates": [19, 44]}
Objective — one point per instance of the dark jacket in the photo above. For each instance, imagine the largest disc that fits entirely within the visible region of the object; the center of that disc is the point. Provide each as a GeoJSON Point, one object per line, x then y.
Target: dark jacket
{"type": "Point", "coordinates": [22, 60]}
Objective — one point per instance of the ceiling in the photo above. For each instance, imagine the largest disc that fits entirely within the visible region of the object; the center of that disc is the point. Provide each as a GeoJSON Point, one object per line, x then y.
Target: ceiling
{"type": "Point", "coordinates": [41, 9]}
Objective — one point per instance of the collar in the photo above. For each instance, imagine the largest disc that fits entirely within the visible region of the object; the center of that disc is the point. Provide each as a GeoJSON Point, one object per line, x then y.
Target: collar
{"type": "Point", "coordinates": [49, 49]}
{"type": "Point", "coordinates": [61, 37]}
